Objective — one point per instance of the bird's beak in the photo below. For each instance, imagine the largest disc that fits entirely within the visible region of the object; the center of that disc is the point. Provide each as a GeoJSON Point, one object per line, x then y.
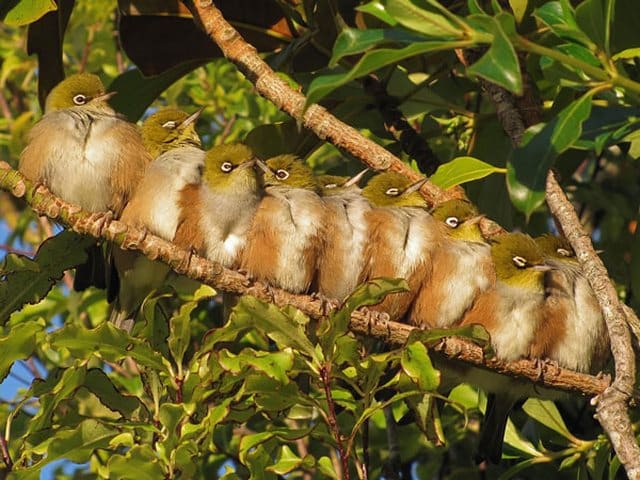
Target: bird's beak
{"type": "Point", "coordinates": [542, 268]}
{"type": "Point", "coordinates": [414, 187]}
{"type": "Point", "coordinates": [474, 220]}
{"type": "Point", "coordinates": [263, 166]}
{"type": "Point", "coordinates": [355, 179]}
{"type": "Point", "coordinates": [192, 118]}
{"type": "Point", "coordinates": [249, 163]}
{"type": "Point", "coordinates": [104, 97]}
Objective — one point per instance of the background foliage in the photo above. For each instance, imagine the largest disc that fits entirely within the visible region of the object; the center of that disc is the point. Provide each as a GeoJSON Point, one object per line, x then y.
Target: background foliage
{"type": "Point", "coordinates": [187, 397]}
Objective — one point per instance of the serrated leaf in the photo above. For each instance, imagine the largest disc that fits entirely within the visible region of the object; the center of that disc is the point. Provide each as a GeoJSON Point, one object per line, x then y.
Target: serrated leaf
{"type": "Point", "coordinates": [19, 343]}
{"type": "Point", "coordinates": [499, 64]}
{"type": "Point", "coordinates": [249, 442]}
{"type": "Point", "coordinates": [101, 386]}
{"type": "Point", "coordinates": [19, 13]}
{"type": "Point", "coordinates": [546, 412]}
{"type": "Point", "coordinates": [109, 342]}
{"type": "Point", "coordinates": [417, 365]}
{"type": "Point", "coordinates": [180, 333]}
{"type": "Point", "coordinates": [54, 256]}
{"type": "Point", "coordinates": [462, 170]}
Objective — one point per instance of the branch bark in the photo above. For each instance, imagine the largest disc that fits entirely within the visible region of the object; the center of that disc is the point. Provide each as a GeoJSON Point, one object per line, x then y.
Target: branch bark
{"type": "Point", "coordinates": [612, 404]}
{"type": "Point", "coordinates": [315, 118]}
{"type": "Point", "coordinates": [363, 322]}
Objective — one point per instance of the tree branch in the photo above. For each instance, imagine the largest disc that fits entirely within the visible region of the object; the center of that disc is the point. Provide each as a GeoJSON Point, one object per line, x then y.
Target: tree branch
{"type": "Point", "coordinates": [611, 405]}
{"type": "Point", "coordinates": [315, 118]}
{"type": "Point", "coordinates": [363, 322]}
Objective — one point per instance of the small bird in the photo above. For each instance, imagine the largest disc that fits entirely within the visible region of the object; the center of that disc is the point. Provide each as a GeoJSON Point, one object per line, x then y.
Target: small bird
{"type": "Point", "coordinates": [402, 237]}
{"type": "Point", "coordinates": [512, 312]}
{"type": "Point", "coordinates": [85, 154]}
{"type": "Point", "coordinates": [286, 236]}
{"type": "Point", "coordinates": [573, 333]}
{"type": "Point", "coordinates": [462, 268]}
{"type": "Point", "coordinates": [216, 214]}
{"type": "Point", "coordinates": [155, 206]}
{"type": "Point", "coordinates": [342, 259]}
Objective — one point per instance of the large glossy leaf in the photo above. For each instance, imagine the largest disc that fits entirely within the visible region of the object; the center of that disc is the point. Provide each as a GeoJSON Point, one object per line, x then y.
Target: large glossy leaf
{"type": "Point", "coordinates": [527, 170]}
{"type": "Point", "coordinates": [417, 365]}
{"type": "Point", "coordinates": [377, 9]}
{"type": "Point", "coordinates": [321, 86]}
{"type": "Point", "coordinates": [560, 17]}
{"type": "Point", "coordinates": [590, 15]}
{"type": "Point", "coordinates": [499, 64]}
{"type": "Point", "coordinates": [19, 343]}
{"type": "Point", "coordinates": [109, 342]}
{"type": "Point", "coordinates": [420, 16]}
{"type": "Point", "coordinates": [33, 282]}
{"type": "Point", "coordinates": [462, 170]}
{"type": "Point", "coordinates": [15, 13]}
{"type": "Point", "coordinates": [546, 412]}
{"type": "Point", "coordinates": [135, 92]}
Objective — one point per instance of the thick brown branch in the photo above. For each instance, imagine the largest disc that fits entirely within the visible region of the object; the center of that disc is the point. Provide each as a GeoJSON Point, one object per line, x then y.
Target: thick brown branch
{"type": "Point", "coordinates": [363, 322]}
{"type": "Point", "coordinates": [315, 118]}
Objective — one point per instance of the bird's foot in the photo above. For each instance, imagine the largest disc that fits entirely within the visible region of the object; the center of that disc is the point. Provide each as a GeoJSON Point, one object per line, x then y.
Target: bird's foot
{"type": "Point", "coordinates": [99, 221]}
{"type": "Point", "coordinates": [327, 305]}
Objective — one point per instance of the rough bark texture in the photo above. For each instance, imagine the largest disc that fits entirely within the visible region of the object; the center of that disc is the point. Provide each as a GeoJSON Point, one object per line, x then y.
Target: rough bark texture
{"type": "Point", "coordinates": [363, 322]}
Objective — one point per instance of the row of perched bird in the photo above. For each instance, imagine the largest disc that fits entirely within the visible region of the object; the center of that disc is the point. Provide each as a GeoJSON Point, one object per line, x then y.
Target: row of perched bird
{"type": "Point", "coordinates": [285, 226]}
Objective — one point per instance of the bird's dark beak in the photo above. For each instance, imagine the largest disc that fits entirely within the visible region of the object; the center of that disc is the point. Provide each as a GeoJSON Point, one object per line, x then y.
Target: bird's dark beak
{"type": "Point", "coordinates": [355, 179]}
{"type": "Point", "coordinates": [104, 97]}
{"type": "Point", "coordinates": [263, 166]}
{"type": "Point", "coordinates": [414, 187]}
{"type": "Point", "coordinates": [193, 118]}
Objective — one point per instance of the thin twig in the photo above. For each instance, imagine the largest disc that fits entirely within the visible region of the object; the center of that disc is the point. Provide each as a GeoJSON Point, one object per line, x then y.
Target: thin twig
{"type": "Point", "coordinates": [6, 457]}
{"type": "Point", "coordinates": [332, 418]}
{"type": "Point", "coordinates": [4, 107]}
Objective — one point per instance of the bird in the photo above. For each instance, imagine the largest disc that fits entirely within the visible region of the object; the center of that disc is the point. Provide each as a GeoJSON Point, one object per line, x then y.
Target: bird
{"type": "Point", "coordinates": [574, 333]}
{"type": "Point", "coordinates": [86, 154]}
{"type": "Point", "coordinates": [155, 206]}
{"type": "Point", "coordinates": [216, 214]}
{"type": "Point", "coordinates": [341, 260]}
{"type": "Point", "coordinates": [402, 237]}
{"type": "Point", "coordinates": [462, 268]}
{"type": "Point", "coordinates": [512, 312]}
{"type": "Point", "coordinates": [286, 235]}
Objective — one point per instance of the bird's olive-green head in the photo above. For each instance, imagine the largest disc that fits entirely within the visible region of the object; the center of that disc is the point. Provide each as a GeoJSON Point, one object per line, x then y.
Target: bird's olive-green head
{"type": "Point", "coordinates": [519, 261]}
{"type": "Point", "coordinates": [337, 184]}
{"type": "Point", "coordinates": [229, 168]}
{"type": "Point", "coordinates": [170, 128]}
{"type": "Point", "coordinates": [288, 171]}
{"type": "Point", "coordinates": [391, 189]}
{"type": "Point", "coordinates": [556, 248]}
{"type": "Point", "coordinates": [83, 90]}
{"type": "Point", "coordinates": [460, 218]}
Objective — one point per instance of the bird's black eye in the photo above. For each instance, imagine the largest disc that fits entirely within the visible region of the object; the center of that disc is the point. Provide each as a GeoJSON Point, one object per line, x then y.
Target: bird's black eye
{"type": "Point", "coordinates": [452, 222]}
{"type": "Point", "coordinates": [393, 192]}
{"type": "Point", "coordinates": [519, 261]}
{"type": "Point", "coordinates": [80, 99]}
{"type": "Point", "coordinates": [226, 167]}
{"type": "Point", "coordinates": [564, 252]}
{"type": "Point", "coordinates": [170, 125]}
{"type": "Point", "coordinates": [282, 174]}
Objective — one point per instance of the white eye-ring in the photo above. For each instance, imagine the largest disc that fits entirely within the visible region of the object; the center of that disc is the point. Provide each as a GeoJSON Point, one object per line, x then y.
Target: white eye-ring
{"type": "Point", "coordinates": [452, 222]}
{"type": "Point", "coordinates": [226, 167]}
{"type": "Point", "coordinates": [282, 174]}
{"type": "Point", "coordinates": [564, 252]}
{"type": "Point", "coordinates": [393, 192]}
{"type": "Point", "coordinates": [170, 125]}
{"type": "Point", "coordinates": [79, 99]}
{"type": "Point", "coordinates": [331, 185]}
{"type": "Point", "coordinates": [519, 261]}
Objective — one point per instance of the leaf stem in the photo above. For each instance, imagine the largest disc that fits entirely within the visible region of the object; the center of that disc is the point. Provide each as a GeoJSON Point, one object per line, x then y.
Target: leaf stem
{"type": "Point", "coordinates": [6, 457]}
{"type": "Point", "coordinates": [325, 376]}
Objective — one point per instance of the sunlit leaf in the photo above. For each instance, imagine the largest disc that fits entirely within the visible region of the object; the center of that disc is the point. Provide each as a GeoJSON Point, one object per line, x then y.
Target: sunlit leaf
{"type": "Point", "coordinates": [462, 170]}
{"type": "Point", "coordinates": [17, 13]}
{"type": "Point", "coordinates": [19, 343]}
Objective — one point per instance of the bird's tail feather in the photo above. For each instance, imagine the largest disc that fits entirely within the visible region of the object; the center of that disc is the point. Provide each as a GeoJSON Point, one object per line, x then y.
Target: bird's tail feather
{"type": "Point", "coordinates": [493, 427]}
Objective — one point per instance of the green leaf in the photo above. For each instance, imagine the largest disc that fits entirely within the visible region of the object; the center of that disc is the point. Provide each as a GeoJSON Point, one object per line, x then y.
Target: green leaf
{"type": "Point", "coordinates": [419, 16]}
{"type": "Point", "coordinates": [627, 53]}
{"type": "Point", "coordinates": [15, 13]}
{"type": "Point", "coordinates": [109, 342]}
{"type": "Point", "coordinates": [499, 64]}
{"type": "Point", "coordinates": [378, 10]}
{"type": "Point", "coordinates": [137, 92]}
{"type": "Point", "coordinates": [286, 461]}
{"type": "Point", "coordinates": [139, 463]}
{"type": "Point", "coordinates": [55, 255]}
{"type": "Point", "coordinates": [561, 19]}
{"type": "Point", "coordinates": [180, 332]}
{"type": "Point", "coordinates": [76, 445]}
{"type": "Point", "coordinates": [325, 467]}
{"type": "Point", "coordinates": [527, 170]}
{"type": "Point", "coordinates": [417, 365]}
{"type": "Point", "coordinates": [352, 41]}
{"type": "Point", "coordinates": [462, 170]}
{"type": "Point", "coordinates": [546, 412]}
{"type": "Point", "coordinates": [101, 386]}
{"type": "Point", "coordinates": [19, 343]}
{"type": "Point", "coordinates": [321, 86]}
{"type": "Point", "coordinates": [590, 15]}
